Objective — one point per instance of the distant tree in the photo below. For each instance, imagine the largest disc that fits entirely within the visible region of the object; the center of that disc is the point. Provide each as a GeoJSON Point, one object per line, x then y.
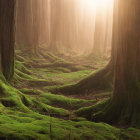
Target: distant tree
{"type": "Point", "coordinates": [36, 24]}
{"type": "Point", "coordinates": [24, 24]}
{"type": "Point", "coordinates": [29, 20]}
{"type": "Point", "coordinates": [7, 36]}
{"type": "Point", "coordinates": [54, 20]}
{"type": "Point", "coordinates": [99, 34]}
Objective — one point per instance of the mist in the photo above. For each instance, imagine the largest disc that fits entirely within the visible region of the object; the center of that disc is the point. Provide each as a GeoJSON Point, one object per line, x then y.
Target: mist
{"type": "Point", "coordinates": [65, 26]}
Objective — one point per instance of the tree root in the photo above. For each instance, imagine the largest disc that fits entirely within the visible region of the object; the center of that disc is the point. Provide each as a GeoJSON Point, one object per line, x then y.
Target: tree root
{"type": "Point", "coordinates": [102, 80]}
{"type": "Point", "coordinates": [122, 114]}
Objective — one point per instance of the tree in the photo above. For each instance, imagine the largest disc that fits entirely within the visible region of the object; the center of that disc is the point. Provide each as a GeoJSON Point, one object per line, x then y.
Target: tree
{"type": "Point", "coordinates": [99, 35]}
{"type": "Point", "coordinates": [24, 21]}
{"type": "Point", "coordinates": [7, 36]}
{"type": "Point", "coordinates": [31, 23]}
{"type": "Point", "coordinates": [36, 25]}
{"type": "Point", "coordinates": [125, 102]}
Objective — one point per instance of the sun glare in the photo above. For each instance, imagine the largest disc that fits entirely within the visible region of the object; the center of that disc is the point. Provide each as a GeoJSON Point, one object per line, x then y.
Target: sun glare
{"type": "Point", "coordinates": [97, 4]}
{"type": "Point", "coordinates": [103, 3]}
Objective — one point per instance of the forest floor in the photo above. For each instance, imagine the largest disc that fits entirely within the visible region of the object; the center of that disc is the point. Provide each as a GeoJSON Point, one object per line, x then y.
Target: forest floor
{"type": "Point", "coordinates": [29, 110]}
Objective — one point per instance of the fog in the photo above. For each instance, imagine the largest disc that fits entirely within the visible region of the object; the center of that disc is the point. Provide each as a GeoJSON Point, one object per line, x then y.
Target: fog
{"type": "Point", "coordinates": [65, 26]}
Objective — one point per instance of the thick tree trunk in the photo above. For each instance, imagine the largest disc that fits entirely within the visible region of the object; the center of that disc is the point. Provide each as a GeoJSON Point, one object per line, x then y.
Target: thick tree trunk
{"type": "Point", "coordinates": [128, 50]}
{"type": "Point", "coordinates": [127, 82]}
{"type": "Point", "coordinates": [125, 103]}
{"type": "Point", "coordinates": [7, 36]}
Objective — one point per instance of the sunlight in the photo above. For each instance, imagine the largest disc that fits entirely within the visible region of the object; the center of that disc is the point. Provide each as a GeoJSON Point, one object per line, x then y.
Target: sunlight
{"type": "Point", "coordinates": [102, 3]}
{"type": "Point", "coordinates": [97, 4]}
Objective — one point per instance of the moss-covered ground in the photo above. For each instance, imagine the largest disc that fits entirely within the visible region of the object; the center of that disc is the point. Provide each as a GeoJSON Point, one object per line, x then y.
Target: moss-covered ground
{"type": "Point", "coordinates": [28, 110]}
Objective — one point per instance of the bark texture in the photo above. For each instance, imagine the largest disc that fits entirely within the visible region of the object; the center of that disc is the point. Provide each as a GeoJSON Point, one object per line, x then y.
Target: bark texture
{"type": "Point", "coordinates": [7, 36]}
{"type": "Point", "coordinates": [125, 103]}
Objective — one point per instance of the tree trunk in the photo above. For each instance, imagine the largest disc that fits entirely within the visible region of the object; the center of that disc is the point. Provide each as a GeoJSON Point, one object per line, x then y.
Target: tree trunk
{"type": "Point", "coordinates": [127, 80]}
{"type": "Point", "coordinates": [99, 37]}
{"type": "Point", "coordinates": [29, 19]}
{"type": "Point", "coordinates": [124, 106]}
{"type": "Point", "coordinates": [7, 36]}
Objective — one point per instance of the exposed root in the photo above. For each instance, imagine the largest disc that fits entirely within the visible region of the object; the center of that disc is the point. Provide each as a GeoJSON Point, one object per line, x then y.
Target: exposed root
{"type": "Point", "coordinates": [102, 80]}
{"type": "Point", "coordinates": [120, 113]}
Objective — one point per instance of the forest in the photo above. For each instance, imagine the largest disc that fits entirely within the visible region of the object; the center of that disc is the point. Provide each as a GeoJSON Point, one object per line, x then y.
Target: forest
{"type": "Point", "coordinates": [69, 70]}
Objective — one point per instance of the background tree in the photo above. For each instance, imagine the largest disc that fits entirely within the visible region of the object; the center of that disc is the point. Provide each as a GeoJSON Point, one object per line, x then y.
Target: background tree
{"type": "Point", "coordinates": [24, 23]}
{"type": "Point", "coordinates": [29, 20]}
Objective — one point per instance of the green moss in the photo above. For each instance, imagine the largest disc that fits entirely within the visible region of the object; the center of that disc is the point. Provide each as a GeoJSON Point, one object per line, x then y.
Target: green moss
{"type": "Point", "coordinates": [130, 134]}
{"type": "Point", "coordinates": [11, 97]}
{"type": "Point", "coordinates": [31, 91]}
{"type": "Point", "coordinates": [20, 58]}
{"type": "Point", "coordinates": [87, 112]}
{"type": "Point", "coordinates": [26, 126]}
{"type": "Point", "coordinates": [97, 81]}
{"type": "Point", "coordinates": [25, 113]}
{"type": "Point", "coordinates": [23, 75]}
{"type": "Point", "coordinates": [65, 102]}
{"type": "Point", "coordinates": [45, 109]}
{"type": "Point", "coordinates": [20, 66]}
{"type": "Point", "coordinates": [67, 78]}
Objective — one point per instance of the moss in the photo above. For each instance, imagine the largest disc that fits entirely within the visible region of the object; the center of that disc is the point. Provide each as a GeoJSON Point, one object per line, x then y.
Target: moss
{"type": "Point", "coordinates": [19, 125]}
{"type": "Point", "coordinates": [8, 102]}
{"type": "Point", "coordinates": [27, 127]}
{"type": "Point", "coordinates": [118, 111]}
{"type": "Point", "coordinates": [25, 113]}
{"type": "Point", "coordinates": [26, 101]}
{"type": "Point", "coordinates": [67, 78]}
{"type": "Point", "coordinates": [20, 58]}
{"type": "Point", "coordinates": [65, 102]}
{"type": "Point", "coordinates": [130, 134]}
{"type": "Point", "coordinates": [11, 97]}
{"type": "Point", "coordinates": [20, 68]}
{"type": "Point", "coordinates": [23, 75]}
{"type": "Point", "coordinates": [31, 91]}
{"type": "Point", "coordinates": [51, 57]}
{"type": "Point", "coordinates": [41, 82]}
{"type": "Point", "coordinates": [87, 112]}
{"type": "Point", "coordinates": [63, 69]}
{"type": "Point", "coordinates": [17, 100]}
{"type": "Point", "coordinates": [97, 81]}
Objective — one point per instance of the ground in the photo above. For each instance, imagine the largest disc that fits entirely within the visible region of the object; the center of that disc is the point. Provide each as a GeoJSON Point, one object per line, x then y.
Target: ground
{"type": "Point", "coordinates": [29, 110]}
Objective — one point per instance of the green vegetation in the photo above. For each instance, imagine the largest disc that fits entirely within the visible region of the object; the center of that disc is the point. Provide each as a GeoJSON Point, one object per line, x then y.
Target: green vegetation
{"type": "Point", "coordinates": [64, 102]}
{"type": "Point", "coordinates": [29, 111]}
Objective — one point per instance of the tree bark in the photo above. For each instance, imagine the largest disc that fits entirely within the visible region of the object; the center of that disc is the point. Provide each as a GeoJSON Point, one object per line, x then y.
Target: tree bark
{"type": "Point", "coordinates": [124, 105]}
{"type": "Point", "coordinates": [7, 36]}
